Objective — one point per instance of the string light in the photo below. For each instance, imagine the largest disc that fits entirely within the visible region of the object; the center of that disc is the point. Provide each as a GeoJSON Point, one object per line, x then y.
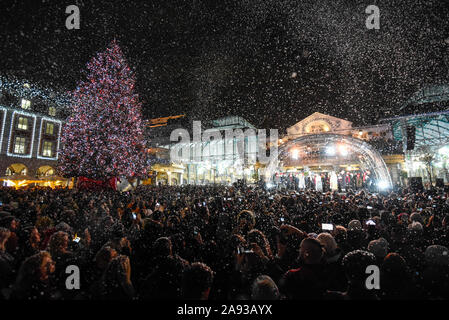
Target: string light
{"type": "Point", "coordinates": [32, 135]}
{"type": "Point", "coordinates": [40, 137]}
{"type": "Point", "coordinates": [5, 111]}
{"type": "Point", "coordinates": [104, 136]}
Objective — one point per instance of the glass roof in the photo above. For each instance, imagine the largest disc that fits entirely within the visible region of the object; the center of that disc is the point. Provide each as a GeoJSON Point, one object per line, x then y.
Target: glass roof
{"type": "Point", "coordinates": [431, 128]}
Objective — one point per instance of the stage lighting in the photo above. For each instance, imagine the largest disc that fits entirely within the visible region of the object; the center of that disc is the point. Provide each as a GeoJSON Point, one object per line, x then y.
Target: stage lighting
{"type": "Point", "coordinates": [383, 185]}
{"type": "Point", "coordinates": [295, 154]}
{"type": "Point", "coordinates": [330, 151]}
{"type": "Point", "coordinates": [444, 150]}
{"type": "Point", "coordinates": [343, 150]}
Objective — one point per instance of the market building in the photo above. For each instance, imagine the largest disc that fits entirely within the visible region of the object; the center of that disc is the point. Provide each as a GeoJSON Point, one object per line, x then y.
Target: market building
{"type": "Point", "coordinates": [424, 135]}
{"type": "Point", "coordinates": [206, 162]}
{"type": "Point", "coordinates": [413, 144]}
{"type": "Point", "coordinates": [30, 128]}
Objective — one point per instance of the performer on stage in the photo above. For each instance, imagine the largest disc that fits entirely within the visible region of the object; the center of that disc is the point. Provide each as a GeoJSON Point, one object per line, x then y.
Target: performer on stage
{"type": "Point", "coordinates": [318, 183]}
{"type": "Point", "coordinates": [359, 181]}
{"type": "Point", "coordinates": [334, 181]}
{"type": "Point", "coordinates": [302, 181]}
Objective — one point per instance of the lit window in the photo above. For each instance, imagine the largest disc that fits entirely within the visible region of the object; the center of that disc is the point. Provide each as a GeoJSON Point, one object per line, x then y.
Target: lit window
{"type": "Point", "coordinates": [19, 145]}
{"type": "Point", "coordinates": [47, 149]}
{"type": "Point", "coordinates": [23, 123]}
{"type": "Point", "coordinates": [52, 111]}
{"type": "Point", "coordinates": [26, 104]}
{"type": "Point", "coordinates": [49, 128]}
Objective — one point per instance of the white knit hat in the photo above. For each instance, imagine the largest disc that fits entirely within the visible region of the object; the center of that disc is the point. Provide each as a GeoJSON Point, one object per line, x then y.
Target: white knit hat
{"type": "Point", "coordinates": [355, 225]}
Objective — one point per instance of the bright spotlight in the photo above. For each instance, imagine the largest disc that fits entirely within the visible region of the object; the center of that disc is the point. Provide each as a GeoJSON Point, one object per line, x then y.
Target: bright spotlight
{"type": "Point", "coordinates": [343, 150]}
{"type": "Point", "coordinates": [383, 185]}
{"type": "Point", "coordinates": [444, 150]}
{"type": "Point", "coordinates": [295, 154]}
{"type": "Point", "coordinates": [330, 151]}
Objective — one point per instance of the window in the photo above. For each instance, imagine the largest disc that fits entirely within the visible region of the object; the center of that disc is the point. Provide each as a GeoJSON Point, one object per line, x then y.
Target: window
{"type": "Point", "coordinates": [19, 145]}
{"type": "Point", "coordinates": [47, 149]}
{"type": "Point", "coordinates": [49, 128]}
{"type": "Point", "coordinates": [319, 128]}
{"type": "Point", "coordinates": [26, 104]}
{"type": "Point", "coordinates": [23, 123]}
{"type": "Point", "coordinates": [52, 111]}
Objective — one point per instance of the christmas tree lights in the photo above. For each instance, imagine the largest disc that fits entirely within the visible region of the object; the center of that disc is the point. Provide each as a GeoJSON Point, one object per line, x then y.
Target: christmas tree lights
{"type": "Point", "coordinates": [104, 136]}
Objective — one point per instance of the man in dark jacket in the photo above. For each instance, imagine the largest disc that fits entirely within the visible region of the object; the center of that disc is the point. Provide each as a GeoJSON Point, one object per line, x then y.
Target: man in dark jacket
{"type": "Point", "coordinates": [308, 281]}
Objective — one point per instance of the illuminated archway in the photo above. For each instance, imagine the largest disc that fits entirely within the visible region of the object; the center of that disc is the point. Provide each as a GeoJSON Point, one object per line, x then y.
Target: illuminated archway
{"type": "Point", "coordinates": [17, 169]}
{"type": "Point", "coordinates": [330, 149]}
{"type": "Point", "coordinates": [45, 171]}
{"type": "Point", "coordinates": [162, 178]}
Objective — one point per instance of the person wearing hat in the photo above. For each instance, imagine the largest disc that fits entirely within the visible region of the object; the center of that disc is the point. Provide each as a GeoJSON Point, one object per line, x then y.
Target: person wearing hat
{"type": "Point", "coordinates": [332, 257]}
{"type": "Point", "coordinates": [354, 225]}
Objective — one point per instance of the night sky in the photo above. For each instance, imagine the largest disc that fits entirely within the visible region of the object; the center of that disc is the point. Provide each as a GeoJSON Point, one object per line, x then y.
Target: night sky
{"type": "Point", "coordinates": [273, 62]}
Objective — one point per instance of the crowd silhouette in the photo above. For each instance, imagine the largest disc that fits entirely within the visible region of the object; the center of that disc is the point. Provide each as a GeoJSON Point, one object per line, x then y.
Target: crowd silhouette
{"type": "Point", "coordinates": [222, 243]}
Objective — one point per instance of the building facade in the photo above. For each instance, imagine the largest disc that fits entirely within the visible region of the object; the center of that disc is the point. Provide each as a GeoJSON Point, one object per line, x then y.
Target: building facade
{"type": "Point", "coordinates": [31, 119]}
{"type": "Point", "coordinates": [222, 161]}
{"type": "Point", "coordinates": [379, 136]}
{"type": "Point", "coordinates": [423, 130]}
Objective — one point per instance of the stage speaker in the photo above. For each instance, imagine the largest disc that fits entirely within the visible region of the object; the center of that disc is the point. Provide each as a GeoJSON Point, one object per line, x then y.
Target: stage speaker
{"type": "Point", "coordinates": [416, 184]}
{"type": "Point", "coordinates": [411, 135]}
{"type": "Point", "coordinates": [439, 183]}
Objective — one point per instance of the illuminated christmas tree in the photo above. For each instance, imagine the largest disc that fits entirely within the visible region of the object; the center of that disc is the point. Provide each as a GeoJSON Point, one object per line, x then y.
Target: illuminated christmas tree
{"type": "Point", "coordinates": [104, 136]}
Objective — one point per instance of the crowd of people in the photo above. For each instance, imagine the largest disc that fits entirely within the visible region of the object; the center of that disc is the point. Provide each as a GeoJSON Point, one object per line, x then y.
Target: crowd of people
{"type": "Point", "coordinates": [223, 243]}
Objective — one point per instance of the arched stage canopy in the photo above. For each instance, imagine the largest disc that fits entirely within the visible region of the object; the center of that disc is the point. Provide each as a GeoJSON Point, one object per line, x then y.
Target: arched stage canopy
{"type": "Point", "coordinates": [328, 149]}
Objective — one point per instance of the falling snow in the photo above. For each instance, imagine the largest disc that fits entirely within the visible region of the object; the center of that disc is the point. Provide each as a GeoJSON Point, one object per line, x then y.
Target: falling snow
{"type": "Point", "coordinates": [270, 61]}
